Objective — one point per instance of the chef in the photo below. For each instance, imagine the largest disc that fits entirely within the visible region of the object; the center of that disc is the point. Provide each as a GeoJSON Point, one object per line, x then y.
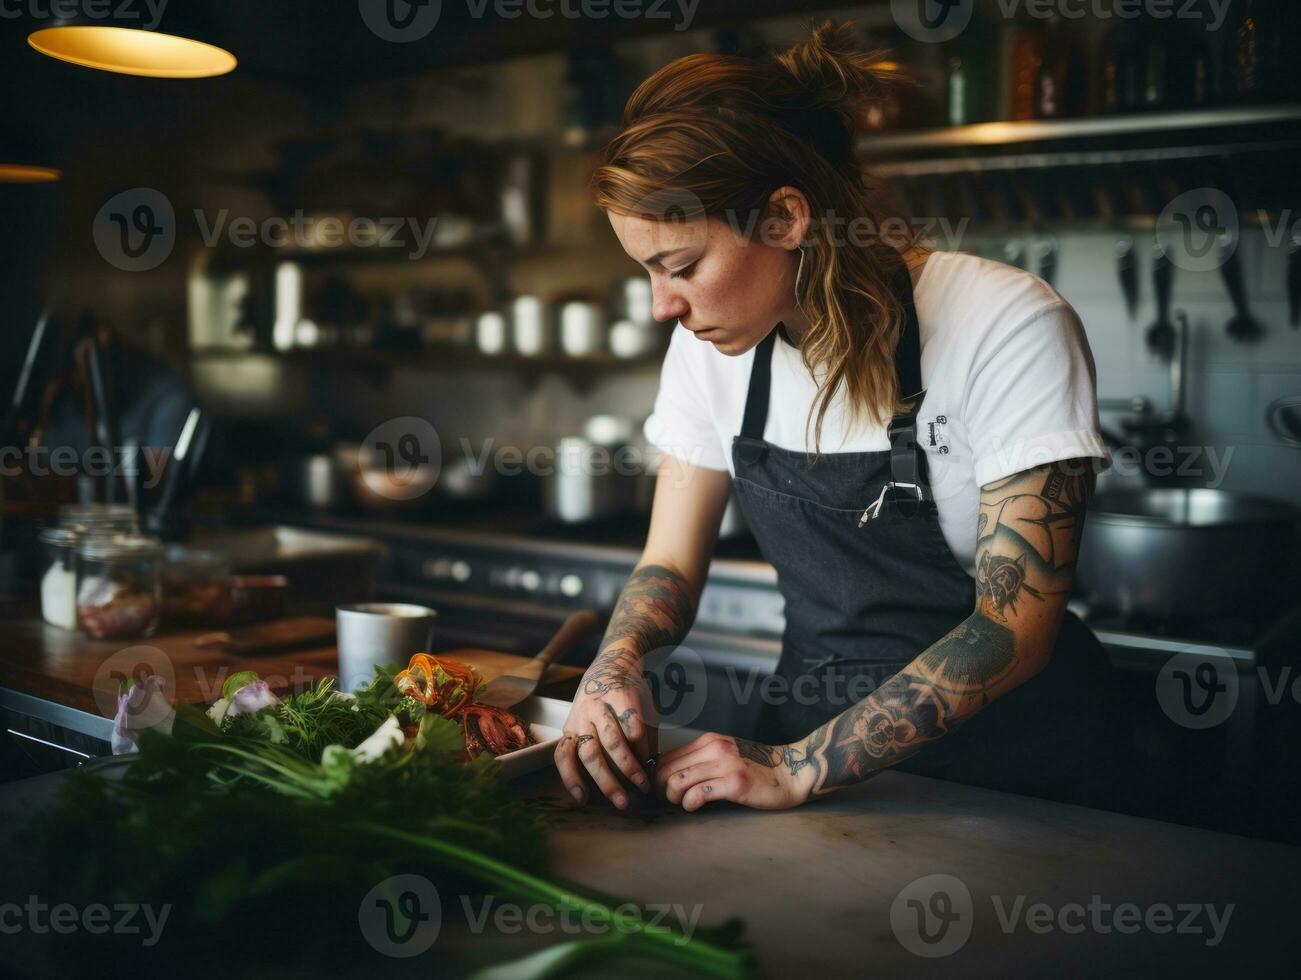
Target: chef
{"type": "Point", "coordinates": [912, 436]}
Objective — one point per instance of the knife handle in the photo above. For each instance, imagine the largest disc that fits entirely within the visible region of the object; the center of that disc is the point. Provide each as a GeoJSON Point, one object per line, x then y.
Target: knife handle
{"type": "Point", "coordinates": [574, 629]}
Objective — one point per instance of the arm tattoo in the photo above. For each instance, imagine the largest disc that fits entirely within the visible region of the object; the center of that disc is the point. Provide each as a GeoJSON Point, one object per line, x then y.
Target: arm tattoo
{"type": "Point", "coordinates": [971, 659]}
{"type": "Point", "coordinates": [1027, 539]}
{"type": "Point", "coordinates": [655, 610]}
{"type": "Point", "coordinates": [1028, 535]}
{"type": "Point", "coordinates": [924, 702]}
{"type": "Point", "coordinates": [765, 755]}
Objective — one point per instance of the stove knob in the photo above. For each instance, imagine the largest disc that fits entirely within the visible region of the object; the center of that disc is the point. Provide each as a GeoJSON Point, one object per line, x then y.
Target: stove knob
{"type": "Point", "coordinates": [530, 580]}
{"type": "Point", "coordinates": [461, 571]}
{"type": "Point", "coordinates": [571, 585]}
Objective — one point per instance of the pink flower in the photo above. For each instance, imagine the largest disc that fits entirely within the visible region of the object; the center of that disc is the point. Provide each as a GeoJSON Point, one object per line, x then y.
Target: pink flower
{"type": "Point", "coordinates": [141, 706]}
{"type": "Point", "coordinates": [251, 698]}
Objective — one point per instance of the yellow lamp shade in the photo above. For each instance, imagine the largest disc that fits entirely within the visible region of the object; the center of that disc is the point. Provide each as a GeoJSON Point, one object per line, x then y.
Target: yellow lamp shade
{"type": "Point", "coordinates": [133, 52]}
{"type": "Point", "coordinates": [22, 173]}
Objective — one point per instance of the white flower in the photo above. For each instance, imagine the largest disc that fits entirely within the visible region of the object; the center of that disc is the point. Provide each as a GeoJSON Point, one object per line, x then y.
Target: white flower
{"type": "Point", "coordinates": [217, 710]}
{"type": "Point", "coordinates": [388, 736]}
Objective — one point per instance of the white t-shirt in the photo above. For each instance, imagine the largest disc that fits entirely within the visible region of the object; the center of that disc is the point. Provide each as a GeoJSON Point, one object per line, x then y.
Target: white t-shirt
{"type": "Point", "coordinates": [1010, 384]}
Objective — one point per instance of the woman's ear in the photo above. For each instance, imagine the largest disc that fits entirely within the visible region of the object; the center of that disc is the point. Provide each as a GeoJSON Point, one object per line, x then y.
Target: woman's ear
{"type": "Point", "coordinates": [788, 221]}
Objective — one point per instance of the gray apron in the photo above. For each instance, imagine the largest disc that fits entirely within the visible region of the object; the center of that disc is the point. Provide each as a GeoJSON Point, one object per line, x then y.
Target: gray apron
{"type": "Point", "coordinates": [869, 583]}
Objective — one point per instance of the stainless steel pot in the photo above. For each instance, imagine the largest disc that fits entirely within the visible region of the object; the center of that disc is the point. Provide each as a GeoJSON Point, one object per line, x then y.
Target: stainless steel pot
{"type": "Point", "coordinates": [585, 485]}
{"type": "Point", "coordinates": [313, 482]}
{"type": "Point", "coordinates": [1177, 554]}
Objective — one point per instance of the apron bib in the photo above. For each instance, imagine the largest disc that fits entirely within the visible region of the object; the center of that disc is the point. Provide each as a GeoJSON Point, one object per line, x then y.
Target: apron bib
{"type": "Point", "coordinates": [869, 583]}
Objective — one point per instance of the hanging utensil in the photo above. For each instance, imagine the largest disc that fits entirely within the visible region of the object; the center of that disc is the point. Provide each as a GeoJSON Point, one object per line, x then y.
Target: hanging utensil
{"type": "Point", "coordinates": [1242, 326]}
{"type": "Point", "coordinates": [1161, 334]}
{"type": "Point", "coordinates": [175, 474]}
{"type": "Point", "coordinates": [104, 432]}
{"type": "Point", "coordinates": [9, 432]}
{"type": "Point", "coordinates": [1294, 281]}
{"type": "Point", "coordinates": [1046, 263]}
{"type": "Point", "coordinates": [1127, 272]}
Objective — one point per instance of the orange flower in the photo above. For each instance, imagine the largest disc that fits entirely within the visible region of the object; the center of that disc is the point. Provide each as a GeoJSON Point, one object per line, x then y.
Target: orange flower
{"type": "Point", "coordinates": [442, 685]}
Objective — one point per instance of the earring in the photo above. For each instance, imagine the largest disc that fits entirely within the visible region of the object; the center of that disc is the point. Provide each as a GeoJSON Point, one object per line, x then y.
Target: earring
{"type": "Point", "coordinates": [799, 274]}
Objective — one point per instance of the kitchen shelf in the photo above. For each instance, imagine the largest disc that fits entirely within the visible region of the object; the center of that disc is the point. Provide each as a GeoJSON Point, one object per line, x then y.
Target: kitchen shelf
{"type": "Point", "coordinates": [995, 134]}
{"type": "Point", "coordinates": [450, 356]}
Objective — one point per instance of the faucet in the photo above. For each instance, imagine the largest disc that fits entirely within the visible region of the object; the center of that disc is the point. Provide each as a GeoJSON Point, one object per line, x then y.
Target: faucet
{"type": "Point", "coordinates": [1146, 428]}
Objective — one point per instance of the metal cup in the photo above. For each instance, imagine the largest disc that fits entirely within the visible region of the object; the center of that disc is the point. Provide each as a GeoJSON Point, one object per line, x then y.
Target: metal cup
{"type": "Point", "coordinates": [378, 634]}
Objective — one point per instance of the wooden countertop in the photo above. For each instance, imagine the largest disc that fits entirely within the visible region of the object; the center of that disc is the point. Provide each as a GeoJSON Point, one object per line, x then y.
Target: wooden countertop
{"type": "Point", "coordinates": [69, 669]}
{"type": "Point", "coordinates": [834, 888]}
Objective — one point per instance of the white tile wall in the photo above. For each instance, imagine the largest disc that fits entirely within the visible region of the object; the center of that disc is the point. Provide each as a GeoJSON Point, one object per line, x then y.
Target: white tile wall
{"type": "Point", "coordinates": [1229, 384]}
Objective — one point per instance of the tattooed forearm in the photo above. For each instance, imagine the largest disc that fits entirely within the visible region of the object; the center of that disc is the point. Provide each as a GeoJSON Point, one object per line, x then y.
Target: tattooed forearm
{"type": "Point", "coordinates": [764, 755]}
{"type": "Point", "coordinates": [655, 610]}
{"type": "Point", "coordinates": [929, 699]}
{"type": "Point", "coordinates": [972, 659]}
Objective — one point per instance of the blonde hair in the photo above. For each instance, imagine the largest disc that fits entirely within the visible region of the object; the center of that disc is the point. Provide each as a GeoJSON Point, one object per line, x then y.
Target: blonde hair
{"type": "Point", "coordinates": [713, 135]}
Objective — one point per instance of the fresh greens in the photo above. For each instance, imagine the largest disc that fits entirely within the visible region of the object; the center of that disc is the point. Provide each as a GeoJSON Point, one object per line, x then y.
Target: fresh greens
{"type": "Point", "coordinates": [264, 832]}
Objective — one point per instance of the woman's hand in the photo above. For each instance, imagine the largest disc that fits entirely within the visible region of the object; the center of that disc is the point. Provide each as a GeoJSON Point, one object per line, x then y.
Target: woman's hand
{"type": "Point", "coordinates": [717, 767]}
{"type": "Point", "coordinates": [611, 729]}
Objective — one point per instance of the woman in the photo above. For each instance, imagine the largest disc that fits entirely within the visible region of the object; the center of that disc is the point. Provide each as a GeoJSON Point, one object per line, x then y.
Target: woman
{"type": "Point", "coordinates": [912, 438]}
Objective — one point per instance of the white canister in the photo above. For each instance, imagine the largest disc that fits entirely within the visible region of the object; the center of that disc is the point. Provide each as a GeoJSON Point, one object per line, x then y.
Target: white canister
{"type": "Point", "coordinates": [490, 332]}
{"type": "Point", "coordinates": [628, 339]}
{"type": "Point", "coordinates": [531, 327]}
{"type": "Point", "coordinates": [637, 299]}
{"type": "Point", "coordinates": [582, 328]}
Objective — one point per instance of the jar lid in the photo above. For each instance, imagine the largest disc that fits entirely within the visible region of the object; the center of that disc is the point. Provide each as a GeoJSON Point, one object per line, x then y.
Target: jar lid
{"type": "Point", "coordinates": [61, 536]}
{"type": "Point", "coordinates": [92, 517]}
{"type": "Point", "coordinates": [119, 546]}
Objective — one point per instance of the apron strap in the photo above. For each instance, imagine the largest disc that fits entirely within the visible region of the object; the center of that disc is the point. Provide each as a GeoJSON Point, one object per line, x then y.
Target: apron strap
{"type": "Point", "coordinates": [907, 461]}
{"type": "Point", "coordinates": [756, 398]}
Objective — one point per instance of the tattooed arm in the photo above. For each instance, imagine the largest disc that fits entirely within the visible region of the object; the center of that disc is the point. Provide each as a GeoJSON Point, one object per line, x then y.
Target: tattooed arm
{"type": "Point", "coordinates": [1028, 535]}
{"type": "Point", "coordinates": [611, 727]}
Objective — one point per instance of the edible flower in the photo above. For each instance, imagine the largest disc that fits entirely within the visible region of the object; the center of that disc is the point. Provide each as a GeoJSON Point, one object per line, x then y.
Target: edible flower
{"type": "Point", "coordinates": [444, 686]}
{"type": "Point", "coordinates": [140, 706]}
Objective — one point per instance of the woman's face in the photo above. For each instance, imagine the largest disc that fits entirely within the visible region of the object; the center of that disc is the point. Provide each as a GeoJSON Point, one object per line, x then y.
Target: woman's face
{"type": "Point", "coordinates": [727, 287]}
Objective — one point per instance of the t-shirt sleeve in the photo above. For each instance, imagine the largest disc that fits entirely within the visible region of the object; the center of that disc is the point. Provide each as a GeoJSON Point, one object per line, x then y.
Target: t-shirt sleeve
{"type": "Point", "coordinates": [1033, 396]}
{"type": "Point", "coordinates": [681, 423]}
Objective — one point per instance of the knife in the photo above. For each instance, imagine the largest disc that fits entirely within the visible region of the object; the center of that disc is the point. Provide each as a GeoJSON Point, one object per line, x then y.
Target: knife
{"type": "Point", "coordinates": [508, 690]}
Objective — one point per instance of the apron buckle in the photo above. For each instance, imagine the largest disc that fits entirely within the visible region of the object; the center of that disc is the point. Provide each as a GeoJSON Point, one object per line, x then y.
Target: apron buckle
{"type": "Point", "coordinates": [873, 510]}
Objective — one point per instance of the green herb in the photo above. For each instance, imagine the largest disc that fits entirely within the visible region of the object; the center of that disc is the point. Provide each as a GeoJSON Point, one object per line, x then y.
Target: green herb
{"type": "Point", "coordinates": [265, 846]}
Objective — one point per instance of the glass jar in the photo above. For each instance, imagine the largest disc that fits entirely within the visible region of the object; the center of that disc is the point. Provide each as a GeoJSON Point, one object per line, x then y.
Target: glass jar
{"type": "Point", "coordinates": [196, 586]}
{"type": "Point", "coordinates": [119, 586]}
{"type": "Point", "coordinates": [59, 577]}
